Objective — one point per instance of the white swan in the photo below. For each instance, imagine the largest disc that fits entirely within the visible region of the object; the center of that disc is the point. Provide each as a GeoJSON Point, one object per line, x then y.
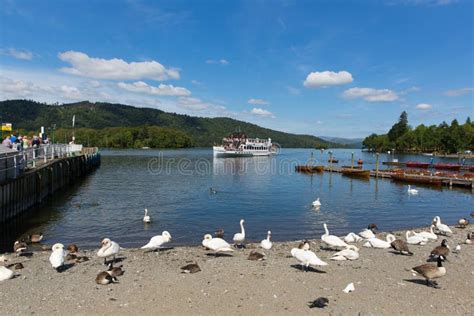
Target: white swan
{"type": "Point", "coordinates": [239, 238]}
{"type": "Point", "coordinates": [415, 239]}
{"type": "Point", "coordinates": [352, 237]}
{"type": "Point", "coordinates": [307, 258]}
{"type": "Point", "coordinates": [146, 218]}
{"type": "Point", "coordinates": [332, 240]}
{"type": "Point", "coordinates": [379, 243]}
{"type": "Point", "coordinates": [367, 234]}
{"type": "Point", "coordinates": [157, 241]}
{"type": "Point", "coordinates": [316, 203]}
{"type": "Point", "coordinates": [266, 243]}
{"type": "Point", "coordinates": [412, 191]}
{"type": "Point", "coordinates": [57, 256]}
{"type": "Point", "coordinates": [5, 273]}
{"type": "Point", "coordinates": [216, 244]}
{"type": "Point", "coordinates": [427, 235]}
{"type": "Point", "coordinates": [109, 248]}
{"type": "Point", "coordinates": [442, 228]}
{"type": "Point", "coordinates": [350, 253]}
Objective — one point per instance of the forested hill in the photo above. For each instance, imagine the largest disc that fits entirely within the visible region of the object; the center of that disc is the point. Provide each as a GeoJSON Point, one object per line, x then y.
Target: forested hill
{"type": "Point", "coordinates": [118, 125]}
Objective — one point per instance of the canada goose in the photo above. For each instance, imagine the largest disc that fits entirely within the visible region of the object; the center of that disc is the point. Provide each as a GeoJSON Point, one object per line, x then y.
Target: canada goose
{"type": "Point", "coordinates": [72, 248]}
{"type": "Point", "coordinates": [81, 259]}
{"type": "Point", "coordinates": [431, 271]}
{"type": "Point", "coordinates": [470, 238]}
{"type": "Point", "coordinates": [442, 250]}
{"type": "Point", "coordinates": [191, 268]}
{"type": "Point", "coordinates": [18, 266]}
{"type": "Point", "coordinates": [57, 256]}
{"type": "Point", "coordinates": [256, 256]}
{"type": "Point", "coordinates": [105, 278]}
{"type": "Point", "coordinates": [157, 241]}
{"type": "Point", "coordinates": [216, 244]}
{"type": "Point", "coordinates": [320, 302]}
{"type": "Point", "coordinates": [146, 218]}
{"type": "Point", "coordinates": [219, 233]}
{"type": "Point", "coordinates": [266, 243]}
{"type": "Point", "coordinates": [442, 228]}
{"type": "Point", "coordinates": [352, 237]}
{"type": "Point", "coordinates": [401, 246]}
{"type": "Point", "coordinates": [19, 247]}
{"type": "Point", "coordinates": [316, 203]}
{"type": "Point", "coordinates": [34, 238]}
{"type": "Point", "coordinates": [331, 240]}
{"type": "Point", "coordinates": [239, 238]}
{"type": "Point", "coordinates": [115, 271]}
{"type": "Point", "coordinates": [109, 249]}
{"type": "Point", "coordinates": [463, 222]}
{"type": "Point", "coordinates": [70, 257]}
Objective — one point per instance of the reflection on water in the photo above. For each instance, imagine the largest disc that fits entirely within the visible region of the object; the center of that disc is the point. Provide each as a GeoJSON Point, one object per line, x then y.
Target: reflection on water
{"type": "Point", "coordinates": [174, 186]}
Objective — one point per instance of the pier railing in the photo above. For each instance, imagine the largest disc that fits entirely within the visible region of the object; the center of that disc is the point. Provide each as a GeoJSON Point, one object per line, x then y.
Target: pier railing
{"type": "Point", "coordinates": [12, 164]}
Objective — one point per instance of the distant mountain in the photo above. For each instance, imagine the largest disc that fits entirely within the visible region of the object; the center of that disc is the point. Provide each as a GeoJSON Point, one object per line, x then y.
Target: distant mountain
{"type": "Point", "coordinates": [347, 142]}
{"type": "Point", "coordinates": [114, 118]}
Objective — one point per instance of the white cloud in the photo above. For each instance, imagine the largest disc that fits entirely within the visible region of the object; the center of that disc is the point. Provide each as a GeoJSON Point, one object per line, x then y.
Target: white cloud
{"type": "Point", "coordinates": [197, 83]}
{"type": "Point", "coordinates": [410, 90]}
{"type": "Point", "coordinates": [293, 90]}
{"type": "Point", "coordinates": [257, 102]}
{"type": "Point", "coordinates": [262, 112]}
{"type": "Point", "coordinates": [193, 104]}
{"type": "Point", "coordinates": [162, 89]}
{"type": "Point", "coordinates": [220, 61]}
{"type": "Point", "coordinates": [423, 106]}
{"type": "Point", "coordinates": [458, 92]}
{"type": "Point", "coordinates": [18, 54]}
{"type": "Point", "coordinates": [327, 78]}
{"type": "Point", "coordinates": [371, 94]}
{"type": "Point", "coordinates": [115, 69]}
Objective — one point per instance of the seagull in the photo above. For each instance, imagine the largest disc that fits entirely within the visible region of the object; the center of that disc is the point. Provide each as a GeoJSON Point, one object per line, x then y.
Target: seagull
{"type": "Point", "coordinates": [157, 241]}
{"type": "Point", "coordinates": [146, 218]}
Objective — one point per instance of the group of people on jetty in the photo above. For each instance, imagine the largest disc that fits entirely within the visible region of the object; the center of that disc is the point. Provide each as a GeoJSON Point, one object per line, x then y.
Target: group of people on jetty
{"type": "Point", "coordinates": [23, 142]}
{"type": "Point", "coordinates": [63, 257]}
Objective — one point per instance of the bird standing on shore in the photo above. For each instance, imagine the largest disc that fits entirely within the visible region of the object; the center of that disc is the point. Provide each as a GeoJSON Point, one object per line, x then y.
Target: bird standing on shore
{"type": "Point", "coordinates": [442, 228]}
{"type": "Point", "coordinates": [216, 244]}
{"type": "Point", "coordinates": [470, 238]}
{"type": "Point", "coordinates": [19, 247]}
{"type": "Point", "coordinates": [463, 222]}
{"type": "Point", "coordinates": [157, 241]}
{"type": "Point", "coordinates": [331, 240]}
{"type": "Point", "coordinates": [109, 249]}
{"type": "Point", "coordinates": [239, 238]}
{"type": "Point", "coordinates": [430, 271]}
{"type": "Point", "coordinates": [57, 256]}
{"type": "Point", "coordinates": [442, 250]}
{"type": "Point", "coordinates": [266, 243]}
{"type": "Point", "coordinates": [34, 238]}
{"type": "Point", "coordinates": [146, 218]}
{"type": "Point", "coordinates": [307, 258]}
{"type": "Point", "coordinates": [115, 271]}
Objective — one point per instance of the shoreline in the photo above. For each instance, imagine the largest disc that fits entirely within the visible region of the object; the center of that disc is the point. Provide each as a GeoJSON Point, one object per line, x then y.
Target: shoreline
{"type": "Point", "coordinates": [153, 283]}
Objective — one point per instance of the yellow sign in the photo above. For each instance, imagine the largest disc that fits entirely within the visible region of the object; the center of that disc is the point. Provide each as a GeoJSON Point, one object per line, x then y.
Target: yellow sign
{"type": "Point", "coordinates": [6, 127]}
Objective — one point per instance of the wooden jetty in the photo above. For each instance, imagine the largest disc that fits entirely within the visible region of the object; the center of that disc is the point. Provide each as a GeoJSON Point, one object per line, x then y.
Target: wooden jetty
{"type": "Point", "coordinates": [41, 178]}
{"type": "Point", "coordinates": [427, 165]}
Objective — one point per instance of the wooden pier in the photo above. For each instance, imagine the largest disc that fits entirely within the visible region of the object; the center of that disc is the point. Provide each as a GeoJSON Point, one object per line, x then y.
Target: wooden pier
{"type": "Point", "coordinates": [37, 183]}
{"type": "Point", "coordinates": [447, 181]}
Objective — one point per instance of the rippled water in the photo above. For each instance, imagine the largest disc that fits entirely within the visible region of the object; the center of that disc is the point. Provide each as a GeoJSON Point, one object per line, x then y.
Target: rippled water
{"type": "Point", "coordinates": [265, 191]}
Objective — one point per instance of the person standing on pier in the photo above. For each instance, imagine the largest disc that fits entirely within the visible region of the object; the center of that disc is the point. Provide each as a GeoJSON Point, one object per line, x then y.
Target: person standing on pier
{"type": "Point", "coordinates": [7, 142]}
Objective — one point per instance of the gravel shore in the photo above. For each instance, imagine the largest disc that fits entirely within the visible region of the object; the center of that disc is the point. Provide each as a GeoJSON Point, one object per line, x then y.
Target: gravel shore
{"type": "Point", "coordinates": [232, 285]}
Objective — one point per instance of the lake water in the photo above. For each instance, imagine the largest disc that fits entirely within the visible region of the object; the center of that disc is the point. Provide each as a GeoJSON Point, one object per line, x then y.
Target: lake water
{"type": "Point", "coordinates": [266, 192]}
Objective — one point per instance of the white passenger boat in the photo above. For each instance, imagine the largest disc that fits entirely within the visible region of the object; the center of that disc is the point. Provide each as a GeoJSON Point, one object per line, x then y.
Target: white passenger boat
{"type": "Point", "coordinates": [239, 145]}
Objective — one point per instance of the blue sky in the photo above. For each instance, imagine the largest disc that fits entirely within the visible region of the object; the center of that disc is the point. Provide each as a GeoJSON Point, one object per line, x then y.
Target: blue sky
{"type": "Point", "coordinates": [337, 68]}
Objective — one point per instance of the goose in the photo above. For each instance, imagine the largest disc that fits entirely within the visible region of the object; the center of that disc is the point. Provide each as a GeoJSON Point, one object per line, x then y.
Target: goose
{"type": "Point", "coordinates": [115, 271]}
{"type": "Point", "coordinates": [442, 250]}
{"type": "Point", "coordinates": [379, 243]}
{"type": "Point", "coordinates": [219, 233]}
{"type": "Point", "coordinates": [415, 239]}
{"type": "Point", "coordinates": [216, 244]}
{"type": "Point", "coordinates": [105, 278]}
{"type": "Point", "coordinates": [463, 222]}
{"type": "Point", "coordinates": [412, 191]}
{"type": "Point", "coordinates": [316, 203]}
{"type": "Point", "coordinates": [427, 235]}
{"type": "Point", "coordinates": [157, 241]}
{"type": "Point", "coordinates": [350, 253]}
{"type": "Point", "coordinates": [320, 302]}
{"type": "Point", "coordinates": [191, 268]}
{"type": "Point", "coordinates": [34, 238]}
{"type": "Point", "coordinates": [368, 232]}
{"type": "Point", "coordinates": [304, 245]}
{"type": "Point", "coordinates": [19, 247]}
{"type": "Point", "coordinates": [352, 237]}
{"type": "Point", "coordinates": [331, 240]}
{"type": "Point", "coordinates": [72, 248]}
{"type": "Point", "coordinates": [109, 249]}
{"type": "Point", "coordinates": [146, 218]}
{"type": "Point", "coordinates": [239, 238]}
{"type": "Point", "coordinates": [5, 273]}
{"type": "Point", "coordinates": [18, 266]}
{"type": "Point", "coordinates": [401, 246]}
{"type": "Point", "coordinates": [470, 238]}
{"type": "Point", "coordinates": [266, 243]}
{"type": "Point", "coordinates": [256, 256]}
{"type": "Point", "coordinates": [442, 228]}
{"type": "Point", "coordinates": [307, 258]}
{"type": "Point", "coordinates": [57, 256]}
{"type": "Point", "coordinates": [430, 271]}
